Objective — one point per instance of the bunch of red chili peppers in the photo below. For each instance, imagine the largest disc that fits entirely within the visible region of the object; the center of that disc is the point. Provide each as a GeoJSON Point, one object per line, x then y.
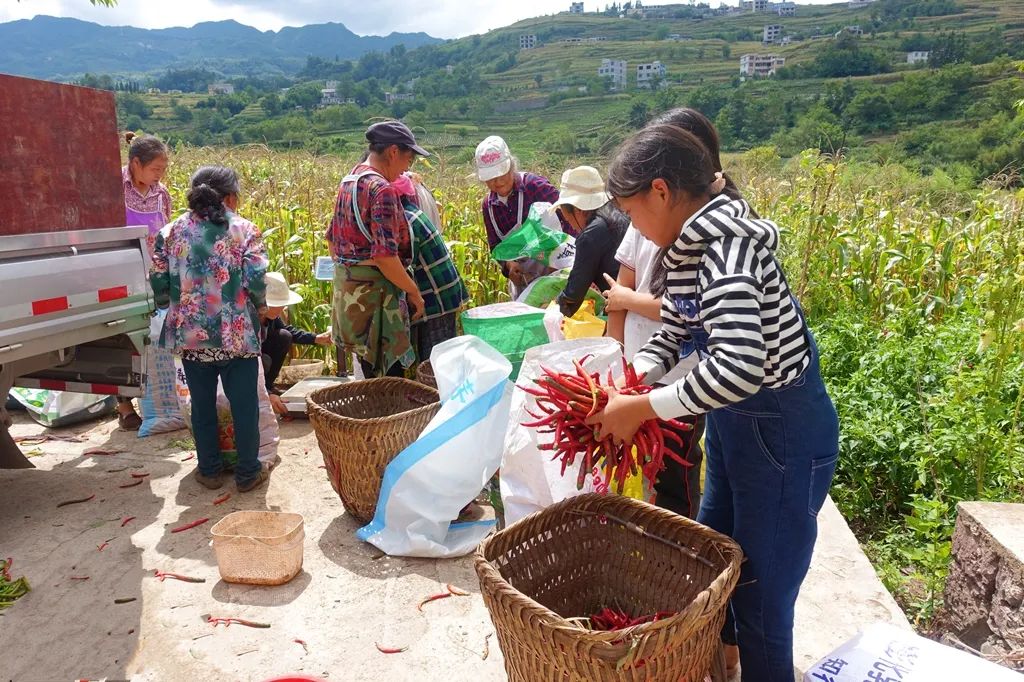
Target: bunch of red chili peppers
{"type": "Point", "coordinates": [569, 400]}
{"type": "Point", "coordinates": [614, 619]}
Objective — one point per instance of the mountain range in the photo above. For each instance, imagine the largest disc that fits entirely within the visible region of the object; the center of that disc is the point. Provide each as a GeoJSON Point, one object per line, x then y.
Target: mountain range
{"type": "Point", "coordinates": [61, 48]}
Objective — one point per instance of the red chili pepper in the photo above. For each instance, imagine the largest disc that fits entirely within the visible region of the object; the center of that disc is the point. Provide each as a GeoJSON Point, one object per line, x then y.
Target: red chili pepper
{"type": "Point", "coordinates": [241, 621]}
{"type": "Point", "coordinates": [456, 591]}
{"type": "Point", "coordinates": [223, 498]}
{"type": "Point", "coordinates": [189, 457]}
{"type": "Point", "coordinates": [127, 520]}
{"type": "Point", "coordinates": [140, 475]}
{"type": "Point", "coordinates": [84, 499]}
{"type": "Point", "coordinates": [134, 483]}
{"type": "Point", "coordinates": [390, 650]}
{"type": "Point", "coordinates": [162, 575]}
{"type": "Point", "coordinates": [79, 577]}
{"type": "Point", "coordinates": [188, 526]}
{"type": "Point", "coordinates": [305, 648]}
{"type": "Point", "coordinates": [102, 547]}
{"type": "Point", "coordinates": [433, 597]}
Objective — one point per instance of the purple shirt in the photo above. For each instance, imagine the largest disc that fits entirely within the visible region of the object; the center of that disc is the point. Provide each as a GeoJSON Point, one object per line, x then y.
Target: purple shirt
{"type": "Point", "coordinates": [501, 217]}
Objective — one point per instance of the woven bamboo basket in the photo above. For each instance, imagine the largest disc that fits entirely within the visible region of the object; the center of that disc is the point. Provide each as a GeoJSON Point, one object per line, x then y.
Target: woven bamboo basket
{"type": "Point", "coordinates": [594, 551]}
{"type": "Point", "coordinates": [361, 426]}
{"type": "Point", "coordinates": [425, 374]}
{"type": "Point", "coordinates": [259, 547]}
{"type": "Point", "coordinates": [299, 369]}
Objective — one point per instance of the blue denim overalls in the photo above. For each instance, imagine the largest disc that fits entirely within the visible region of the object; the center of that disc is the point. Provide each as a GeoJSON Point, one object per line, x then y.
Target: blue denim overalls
{"type": "Point", "coordinates": [770, 461]}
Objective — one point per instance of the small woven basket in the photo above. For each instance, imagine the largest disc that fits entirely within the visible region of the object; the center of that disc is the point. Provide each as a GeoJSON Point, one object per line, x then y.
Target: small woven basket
{"type": "Point", "coordinates": [361, 426]}
{"type": "Point", "coordinates": [297, 370]}
{"type": "Point", "coordinates": [425, 374]}
{"type": "Point", "coordinates": [259, 547]}
{"type": "Point", "coordinates": [594, 551]}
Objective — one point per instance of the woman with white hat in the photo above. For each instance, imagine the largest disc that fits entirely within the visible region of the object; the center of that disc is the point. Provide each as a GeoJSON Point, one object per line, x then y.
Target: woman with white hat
{"type": "Point", "coordinates": [586, 207]}
{"type": "Point", "coordinates": [277, 337]}
{"type": "Point", "coordinates": [508, 203]}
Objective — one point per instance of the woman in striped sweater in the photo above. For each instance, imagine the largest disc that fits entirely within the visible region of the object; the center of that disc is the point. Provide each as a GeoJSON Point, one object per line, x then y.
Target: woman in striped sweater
{"type": "Point", "coordinates": [772, 433]}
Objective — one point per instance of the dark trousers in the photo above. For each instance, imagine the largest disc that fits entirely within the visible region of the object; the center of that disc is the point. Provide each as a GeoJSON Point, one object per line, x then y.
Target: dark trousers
{"type": "Point", "coordinates": [239, 377]}
{"type": "Point", "coordinates": [678, 486]}
{"type": "Point", "coordinates": [429, 333]}
{"type": "Point", "coordinates": [396, 370]}
{"type": "Point", "coordinates": [275, 351]}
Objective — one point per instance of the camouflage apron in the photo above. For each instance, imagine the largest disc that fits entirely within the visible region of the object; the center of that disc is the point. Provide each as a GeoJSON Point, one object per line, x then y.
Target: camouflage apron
{"type": "Point", "coordinates": [370, 317]}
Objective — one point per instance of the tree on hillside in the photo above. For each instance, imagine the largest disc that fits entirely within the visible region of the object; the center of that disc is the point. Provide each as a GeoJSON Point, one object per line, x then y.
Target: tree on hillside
{"type": "Point", "coordinates": [639, 115]}
{"type": "Point", "coordinates": [538, 79]}
{"type": "Point", "coordinates": [726, 51]}
{"type": "Point", "coordinates": [271, 104]}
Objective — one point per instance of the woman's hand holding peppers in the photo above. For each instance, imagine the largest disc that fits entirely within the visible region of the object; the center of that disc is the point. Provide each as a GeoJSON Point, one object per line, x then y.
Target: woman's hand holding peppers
{"type": "Point", "coordinates": [622, 416]}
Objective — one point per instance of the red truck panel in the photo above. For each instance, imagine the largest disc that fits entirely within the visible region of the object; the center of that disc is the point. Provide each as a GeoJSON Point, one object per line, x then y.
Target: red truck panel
{"type": "Point", "coordinates": [60, 158]}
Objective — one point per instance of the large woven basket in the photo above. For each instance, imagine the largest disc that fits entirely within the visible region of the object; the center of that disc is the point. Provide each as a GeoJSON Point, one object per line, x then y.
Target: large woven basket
{"type": "Point", "coordinates": [259, 547]}
{"type": "Point", "coordinates": [425, 374]}
{"type": "Point", "coordinates": [594, 551]}
{"type": "Point", "coordinates": [361, 426]}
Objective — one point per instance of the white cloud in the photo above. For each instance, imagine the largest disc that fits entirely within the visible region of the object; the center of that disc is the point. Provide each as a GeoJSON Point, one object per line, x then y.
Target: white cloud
{"type": "Point", "coordinates": [440, 18]}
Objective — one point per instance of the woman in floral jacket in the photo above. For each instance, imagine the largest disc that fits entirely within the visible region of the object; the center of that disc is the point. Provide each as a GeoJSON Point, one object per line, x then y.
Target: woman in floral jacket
{"type": "Point", "coordinates": [208, 269]}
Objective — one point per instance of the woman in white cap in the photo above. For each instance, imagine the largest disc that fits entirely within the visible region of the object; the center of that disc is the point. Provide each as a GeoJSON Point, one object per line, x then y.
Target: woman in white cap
{"type": "Point", "coordinates": [276, 337]}
{"type": "Point", "coordinates": [587, 208]}
{"type": "Point", "coordinates": [508, 203]}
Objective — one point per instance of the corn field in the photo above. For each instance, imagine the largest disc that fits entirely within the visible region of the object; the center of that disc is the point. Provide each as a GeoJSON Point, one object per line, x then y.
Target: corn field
{"type": "Point", "coordinates": [915, 291]}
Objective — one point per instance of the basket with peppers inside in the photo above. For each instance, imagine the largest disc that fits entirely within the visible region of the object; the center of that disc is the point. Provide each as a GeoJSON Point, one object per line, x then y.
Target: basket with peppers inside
{"type": "Point", "coordinates": [567, 400]}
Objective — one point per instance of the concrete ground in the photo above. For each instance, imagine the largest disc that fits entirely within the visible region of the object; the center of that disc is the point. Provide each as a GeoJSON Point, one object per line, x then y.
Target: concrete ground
{"type": "Point", "coordinates": [348, 597]}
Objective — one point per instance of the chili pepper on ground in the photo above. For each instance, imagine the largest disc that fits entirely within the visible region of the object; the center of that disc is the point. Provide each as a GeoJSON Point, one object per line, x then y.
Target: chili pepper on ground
{"type": "Point", "coordinates": [101, 547]}
{"type": "Point", "coordinates": [138, 481]}
{"type": "Point", "coordinates": [101, 452]}
{"type": "Point", "coordinates": [456, 591]}
{"type": "Point", "coordinates": [127, 520]}
{"type": "Point", "coordinates": [487, 646]}
{"type": "Point", "coordinates": [223, 498]}
{"type": "Point", "coordinates": [125, 600]}
{"type": "Point", "coordinates": [5, 570]}
{"type": "Point", "coordinates": [305, 648]}
{"type": "Point", "coordinates": [192, 456]}
{"type": "Point", "coordinates": [390, 650]}
{"type": "Point", "coordinates": [163, 575]}
{"type": "Point", "coordinates": [188, 526]}
{"type": "Point", "coordinates": [433, 597]}
{"type": "Point", "coordinates": [140, 475]}
{"type": "Point", "coordinates": [80, 577]}
{"type": "Point", "coordinates": [67, 502]}
{"type": "Point", "coordinates": [241, 621]}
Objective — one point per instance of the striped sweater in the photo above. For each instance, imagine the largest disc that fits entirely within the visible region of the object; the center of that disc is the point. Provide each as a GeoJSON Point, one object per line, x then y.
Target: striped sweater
{"type": "Point", "coordinates": [723, 276]}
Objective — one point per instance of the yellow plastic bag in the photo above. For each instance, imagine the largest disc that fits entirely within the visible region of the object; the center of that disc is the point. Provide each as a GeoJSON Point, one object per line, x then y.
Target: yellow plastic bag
{"type": "Point", "coordinates": [584, 324]}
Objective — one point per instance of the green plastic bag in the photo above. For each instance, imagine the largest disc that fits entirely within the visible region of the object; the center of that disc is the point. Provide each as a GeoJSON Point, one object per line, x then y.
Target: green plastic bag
{"type": "Point", "coordinates": [510, 328]}
{"type": "Point", "coordinates": [543, 290]}
{"type": "Point", "coordinates": [532, 240]}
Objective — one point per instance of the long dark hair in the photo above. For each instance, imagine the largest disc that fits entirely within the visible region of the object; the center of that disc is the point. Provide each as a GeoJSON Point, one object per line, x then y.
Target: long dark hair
{"type": "Point", "coordinates": [209, 186]}
{"type": "Point", "coordinates": [145, 148]}
{"type": "Point", "coordinates": [701, 126]}
{"type": "Point", "coordinates": [617, 221]}
{"type": "Point", "coordinates": [685, 159]}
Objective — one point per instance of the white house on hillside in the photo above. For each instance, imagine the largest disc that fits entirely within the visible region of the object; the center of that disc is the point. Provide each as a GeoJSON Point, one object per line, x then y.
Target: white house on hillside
{"type": "Point", "coordinates": [527, 42]}
{"type": "Point", "coordinates": [220, 89]}
{"type": "Point", "coordinates": [615, 70]}
{"type": "Point", "coordinates": [761, 64]}
{"type": "Point", "coordinates": [785, 9]}
{"type": "Point", "coordinates": [917, 57]}
{"type": "Point", "coordinates": [646, 74]}
{"type": "Point", "coordinates": [772, 34]}
{"type": "Point", "coordinates": [576, 8]}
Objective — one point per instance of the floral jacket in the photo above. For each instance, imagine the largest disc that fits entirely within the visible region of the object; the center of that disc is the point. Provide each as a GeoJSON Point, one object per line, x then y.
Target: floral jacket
{"type": "Point", "coordinates": [211, 280]}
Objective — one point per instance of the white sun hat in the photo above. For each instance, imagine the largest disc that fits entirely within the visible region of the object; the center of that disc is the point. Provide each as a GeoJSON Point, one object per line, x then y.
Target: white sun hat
{"type": "Point", "coordinates": [583, 188]}
{"type": "Point", "coordinates": [493, 159]}
{"type": "Point", "coordinates": [278, 293]}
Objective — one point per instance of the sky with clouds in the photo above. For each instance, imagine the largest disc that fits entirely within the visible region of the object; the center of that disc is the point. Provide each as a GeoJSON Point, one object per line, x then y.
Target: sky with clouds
{"type": "Point", "coordinates": [440, 18]}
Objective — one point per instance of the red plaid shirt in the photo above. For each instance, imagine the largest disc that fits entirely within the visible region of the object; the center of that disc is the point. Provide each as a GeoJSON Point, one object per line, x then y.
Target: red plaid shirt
{"type": "Point", "coordinates": [382, 214]}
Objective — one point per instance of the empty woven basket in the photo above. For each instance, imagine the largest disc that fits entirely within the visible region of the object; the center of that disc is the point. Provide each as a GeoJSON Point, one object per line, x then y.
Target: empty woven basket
{"type": "Point", "coordinates": [425, 374]}
{"type": "Point", "coordinates": [259, 547]}
{"type": "Point", "coordinates": [361, 426]}
{"type": "Point", "coordinates": [594, 551]}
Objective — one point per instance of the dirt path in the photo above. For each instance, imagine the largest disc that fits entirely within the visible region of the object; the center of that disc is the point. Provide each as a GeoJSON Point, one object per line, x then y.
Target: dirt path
{"type": "Point", "coordinates": [347, 597]}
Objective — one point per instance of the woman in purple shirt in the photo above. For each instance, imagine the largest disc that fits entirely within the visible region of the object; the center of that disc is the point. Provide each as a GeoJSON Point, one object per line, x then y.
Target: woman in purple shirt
{"type": "Point", "coordinates": [508, 203]}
